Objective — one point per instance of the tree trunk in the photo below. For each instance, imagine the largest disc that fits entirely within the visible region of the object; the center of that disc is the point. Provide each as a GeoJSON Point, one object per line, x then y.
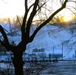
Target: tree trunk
{"type": "Point", "coordinates": [18, 63]}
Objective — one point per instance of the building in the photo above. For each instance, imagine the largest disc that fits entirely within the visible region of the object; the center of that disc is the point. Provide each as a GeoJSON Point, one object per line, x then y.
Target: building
{"type": "Point", "coordinates": [55, 56]}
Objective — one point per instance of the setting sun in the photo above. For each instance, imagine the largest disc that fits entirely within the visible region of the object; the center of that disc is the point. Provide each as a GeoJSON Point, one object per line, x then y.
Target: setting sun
{"type": "Point", "coordinates": [67, 18]}
{"type": "Point", "coordinates": [12, 8]}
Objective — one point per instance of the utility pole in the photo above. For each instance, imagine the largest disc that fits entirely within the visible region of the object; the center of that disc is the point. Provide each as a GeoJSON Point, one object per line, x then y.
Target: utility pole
{"type": "Point", "coordinates": [53, 51]}
{"type": "Point", "coordinates": [62, 50]}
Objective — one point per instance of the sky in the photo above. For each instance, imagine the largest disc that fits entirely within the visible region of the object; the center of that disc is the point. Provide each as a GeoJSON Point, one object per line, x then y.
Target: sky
{"type": "Point", "coordinates": [68, 15]}
{"type": "Point", "coordinates": [11, 8]}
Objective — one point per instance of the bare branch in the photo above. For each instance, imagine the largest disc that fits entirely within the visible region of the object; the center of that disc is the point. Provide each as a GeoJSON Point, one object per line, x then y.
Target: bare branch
{"type": "Point", "coordinates": [5, 42]}
{"type": "Point", "coordinates": [31, 17]}
{"type": "Point", "coordinates": [24, 19]}
{"type": "Point", "coordinates": [4, 1]}
{"type": "Point", "coordinates": [50, 18]}
{"type": "Point", "coordinates": [72, 10]}
{"type": "Point", "coordinates": [4, 34]}
{"type": "Point", "coordinates": [72, 1]}
{"type": "Point", "coordinates": [39, 7]}
{"type": "Point", "coordinates": [18, 20]}
{"type": "Point", "coordinates": [30, 6]}
{"type": "Point", "coordinates": [26, 7]}
{"type": "Point", "coordinates": [2, 42]}
{"type": "Point", "coordinates": [7, 46]}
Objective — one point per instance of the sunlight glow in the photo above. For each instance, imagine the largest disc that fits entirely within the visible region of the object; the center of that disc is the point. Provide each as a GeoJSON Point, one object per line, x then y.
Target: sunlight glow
{"type": "Point", "coordinates": [67, 18]}
{"type": "Point", "coordinates": [12, 8]}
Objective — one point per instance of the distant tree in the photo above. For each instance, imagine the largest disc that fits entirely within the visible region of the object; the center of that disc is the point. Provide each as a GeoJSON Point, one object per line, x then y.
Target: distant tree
{"type": "Point", "coordinates": [18, 20]}
{"type": "Point", "coordinates": [25, 32]}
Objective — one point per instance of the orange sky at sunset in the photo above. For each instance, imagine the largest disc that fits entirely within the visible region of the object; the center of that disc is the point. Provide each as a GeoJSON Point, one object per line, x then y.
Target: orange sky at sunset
{"type": "Point", "coordinates": [11, 8]}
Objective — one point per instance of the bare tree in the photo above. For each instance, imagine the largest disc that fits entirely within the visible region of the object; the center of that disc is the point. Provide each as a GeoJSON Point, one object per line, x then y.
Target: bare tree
{"type": "Point", "coordinates": [25, 33]}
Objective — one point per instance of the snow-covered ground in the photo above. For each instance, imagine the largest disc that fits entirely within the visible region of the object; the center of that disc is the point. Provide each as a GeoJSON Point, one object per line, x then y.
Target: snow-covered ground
{"type": "Point", "coordinates": [57, 38]}
{"type": "Point", "coordinates": [50, 37]}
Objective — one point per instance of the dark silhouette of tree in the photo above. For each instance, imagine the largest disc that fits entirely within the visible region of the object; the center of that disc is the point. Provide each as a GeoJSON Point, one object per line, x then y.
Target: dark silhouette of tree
{"type": "Point", "coordinates": [25, 34]}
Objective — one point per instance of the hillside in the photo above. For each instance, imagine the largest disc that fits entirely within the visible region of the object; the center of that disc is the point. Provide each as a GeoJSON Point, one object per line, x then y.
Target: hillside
{"type": "Point", "coordinates": [57, 38]}
{"type": "Point", "coordinates": [49, 37]}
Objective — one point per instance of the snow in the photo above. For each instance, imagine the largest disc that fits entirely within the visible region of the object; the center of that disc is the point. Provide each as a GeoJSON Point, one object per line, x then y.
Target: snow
{"type": "Point", "coordinates": [7, 26]}
{"type": "Point", "coordinates": [53, 36]}
{"type": "Point", "coordinates": [15, 33]}
{"type": "Point", "coordinates": [49, 37]}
